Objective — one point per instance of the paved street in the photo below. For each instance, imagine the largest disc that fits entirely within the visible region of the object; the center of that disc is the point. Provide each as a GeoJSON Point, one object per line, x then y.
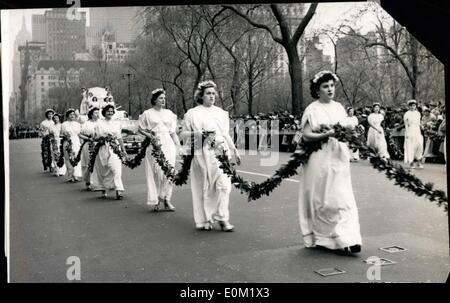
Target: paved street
{"type": "Point", "coordinates": [120, 241]}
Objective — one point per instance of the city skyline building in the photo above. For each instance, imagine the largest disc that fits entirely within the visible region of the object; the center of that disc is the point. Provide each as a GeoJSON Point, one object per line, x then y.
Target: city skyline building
{"type": "Point", "coordinates": [64, 37]}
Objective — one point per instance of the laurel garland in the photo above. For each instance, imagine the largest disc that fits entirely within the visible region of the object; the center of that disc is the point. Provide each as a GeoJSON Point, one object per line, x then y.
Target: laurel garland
{"type": "Point", "coordinates": [392, 171]}
{"type": "Point", "coordinates": [93, 151]}
{"type": "Point", "coordinates": [80, 151]}
{"type": "Point", "coordinates": [46, 152]}
{"type": "Point", "coordinates": [137, 160]}
{"type": "Point", "coordinates": [60, 162]}
{"type": "Point", "coordinates": [54, 147]}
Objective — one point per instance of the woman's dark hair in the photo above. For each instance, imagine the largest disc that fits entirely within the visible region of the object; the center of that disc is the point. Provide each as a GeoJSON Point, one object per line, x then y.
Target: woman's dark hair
{"type": "Point", "coordinates": [155, 95]}
{"type": "Point", "coordinates": [350, 108]}
{"type": "Point", "coordinates": [104, 109]}
{"type": "Point", "coordinates": [91, 111]}
{"type": "Point", "coordinates": [69, 111]}
{"type": "Point", "coordinates": [49, 111]}
{"type": "Point", "coordinates": [57, 115]}
{"type": "Point", "coordinates": [316, 82]}
{"type": "Point", "coordinates": [200, 91]}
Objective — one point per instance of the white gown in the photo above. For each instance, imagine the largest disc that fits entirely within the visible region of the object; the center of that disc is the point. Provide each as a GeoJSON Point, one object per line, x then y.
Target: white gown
{"type": "Point", "coordinates": [45, 128]}
{"type": "Point", "coordinates": [72, 128]}
{"type": "Point", "coordinates": [163, 123]}
{"type": "Point", "coordinates": [107, 174]}
{"type": "Point", "coordinates": [87, 129]}
{"type": "Point", "coordinates": [211, 187]}
{"type": "Point", "coordinates": [328, 213]}
{"type": "Point", "coordinates": [56, 131]}
{"type": "Point", "coordinates": [374, 138]}
{"type": "Point", "coordinates": [413, 137]}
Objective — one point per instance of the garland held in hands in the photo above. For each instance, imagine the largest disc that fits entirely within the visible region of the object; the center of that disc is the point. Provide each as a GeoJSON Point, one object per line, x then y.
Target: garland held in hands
{"type": "Point", "coordinates": [112, 141]}
{"type": "Point", "coordinates": [392, 171]}
{"type": "Point", "coordinates": [46, 152]}
{"type": "Point", "coordinates": [60, 162]}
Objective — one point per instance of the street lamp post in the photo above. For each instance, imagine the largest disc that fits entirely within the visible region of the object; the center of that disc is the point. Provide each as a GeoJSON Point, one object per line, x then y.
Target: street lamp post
{"type": "Point", "coordinates": [129, 76]}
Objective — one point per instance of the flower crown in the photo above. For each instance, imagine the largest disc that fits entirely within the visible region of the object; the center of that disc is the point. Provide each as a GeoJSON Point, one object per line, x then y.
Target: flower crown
{"type": "Point", "coordinates": [322, 73]}
{"type": "Point", "coordinates": [158, 90]}
{"type": "Point", "coordinates": [206, 84]}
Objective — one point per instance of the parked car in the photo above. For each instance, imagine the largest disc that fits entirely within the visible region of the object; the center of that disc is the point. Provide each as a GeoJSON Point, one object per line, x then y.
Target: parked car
{"type": "Point", "coordinates": [132, 142]}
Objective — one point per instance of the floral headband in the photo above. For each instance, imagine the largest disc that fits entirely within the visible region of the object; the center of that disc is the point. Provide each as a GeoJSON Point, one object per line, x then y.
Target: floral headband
{"type": "Point", "coordinates": [158, 90]}
{"type": "Point", "coordinates": [322, 73]}
{"type": "Point", "coordinates": [206, 84]}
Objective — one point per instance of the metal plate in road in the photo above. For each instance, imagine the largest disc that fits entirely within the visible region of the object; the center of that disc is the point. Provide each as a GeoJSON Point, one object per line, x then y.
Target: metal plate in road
{"type": "Point", "coordinates": [393, 249]}
{"type": "Point", "coordinates": [379, 261]}
{"type": "Point", "coordinates": [325, 272]}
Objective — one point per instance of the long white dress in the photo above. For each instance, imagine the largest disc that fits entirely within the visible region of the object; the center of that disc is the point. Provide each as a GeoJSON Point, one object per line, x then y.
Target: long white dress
{"type": "Point", "coordinates": [163, 123]}
{"type": "Point", "coordinates": [72, 129]}
{"type": "Point", "coordinates": [413, 137]}
{"type": "Point", "coordinates": [87, 129]}
{"type": "Point", "coordinates": [211, 187]}
{"type": "Point", "coordinates": [328, 213]}
{"type": "Point", "coordinates": [374, 138]}
{"type": "Point", "coordinates": [45, 128]}
{"type": "Point", "coordinates": [107, 174]}
{"type": "Point", "coordinates": [56, 131]}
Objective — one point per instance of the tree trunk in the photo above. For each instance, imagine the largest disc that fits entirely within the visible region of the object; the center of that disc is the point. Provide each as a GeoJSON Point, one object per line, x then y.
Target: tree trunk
{"type": "Point", "coordinates": [235, 87]}
{"type": "Point", "coordinates": [414, 66]}
{"type": "Point", "coordinates": [295, 71]}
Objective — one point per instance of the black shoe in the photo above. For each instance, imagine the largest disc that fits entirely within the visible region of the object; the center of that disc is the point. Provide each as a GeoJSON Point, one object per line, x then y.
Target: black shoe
{"type": "Point", "coordinates": [355, 248]}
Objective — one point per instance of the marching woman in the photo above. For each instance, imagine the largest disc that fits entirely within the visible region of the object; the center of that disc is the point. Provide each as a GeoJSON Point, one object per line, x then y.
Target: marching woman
{"type": "Point", "coordinates": [55, 130]}
{"type": "Point", "coordinates": [44, 131]}
{"type": "Point", "coordinates": [352, 121]}
{"type": "Point", "coordinates": [107, 174]}
{"type": "Point", "coordinates": [211, 187]}
{"type": "Point", "coordinates": [328, 213]}
{"type": "Point", "coordinates": [87, 135]}
{"type": "Point", "coordinates": [163, 123]}
{"type": "Point", "coordinates": [413, 137]}
{"type": "Point", "coordinates": [70, 129]}
{"type": "Point", "coordinates": [375, 134]}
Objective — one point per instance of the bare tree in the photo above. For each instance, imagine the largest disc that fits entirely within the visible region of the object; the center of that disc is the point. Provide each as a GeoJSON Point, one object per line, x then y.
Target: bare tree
{"type": "Point", "coordinates": [288, 40]}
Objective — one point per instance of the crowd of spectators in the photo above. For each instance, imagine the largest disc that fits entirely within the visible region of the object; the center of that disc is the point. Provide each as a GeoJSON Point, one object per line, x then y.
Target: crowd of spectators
{"type": "Point", "coordinates": [289, 125]}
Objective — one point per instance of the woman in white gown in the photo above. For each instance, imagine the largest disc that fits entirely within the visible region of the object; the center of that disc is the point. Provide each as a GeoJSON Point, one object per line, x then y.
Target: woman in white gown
{"type": "Point", "coordinates": [328, 213]}
{"type": "Point", "coordinates": [211, 187]}
{"type": "Point", "coordinates": [107, 174]}
{"type": "Point", "coordinates": [87, 134]}
{"type": "Point", "coordinates": [71, 128]}
{"type": "Point", "coordinates": [44, 130]}
{"type": "Point", "coordinates": [375, 134]}
{"type": "Point", "coordinates": [352, 121]}
{"type": "Point", "coordinates": [55, 130]}
{"type": "Point", "coordinates": [163, 123]}
{"type": "Point", "coordinates": [413, 137]}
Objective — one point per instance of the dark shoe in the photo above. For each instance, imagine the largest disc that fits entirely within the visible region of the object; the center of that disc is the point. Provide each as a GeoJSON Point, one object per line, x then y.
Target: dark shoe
{"type": "Point", "coordinates": [207, 226]}
{"type": "Point", "coordinates": [118, 196]}
{"type": "Point", "coordinates": [355, 248]}
{"type": "Point", "coordinates": [104, 195]}
{"type": "Point", "coordinates": [226, 226]}
{"type": "Point", "coordinates": [168, 206]}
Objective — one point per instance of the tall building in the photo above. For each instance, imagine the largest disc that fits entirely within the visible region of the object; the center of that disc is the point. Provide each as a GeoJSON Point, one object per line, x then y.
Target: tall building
{"type": "Point", "coordinates": [38, 28]}
{"type": "Point", "coordinates": [64, 37]}
{"type": "Point", "coordinates": [124, 22]}
{"type": "Point", "coordinates": [116, 52]}
{"type": "Point", "coordinates": [21, 39]}
{"type": "Point", "coordinates": [30, 55]}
